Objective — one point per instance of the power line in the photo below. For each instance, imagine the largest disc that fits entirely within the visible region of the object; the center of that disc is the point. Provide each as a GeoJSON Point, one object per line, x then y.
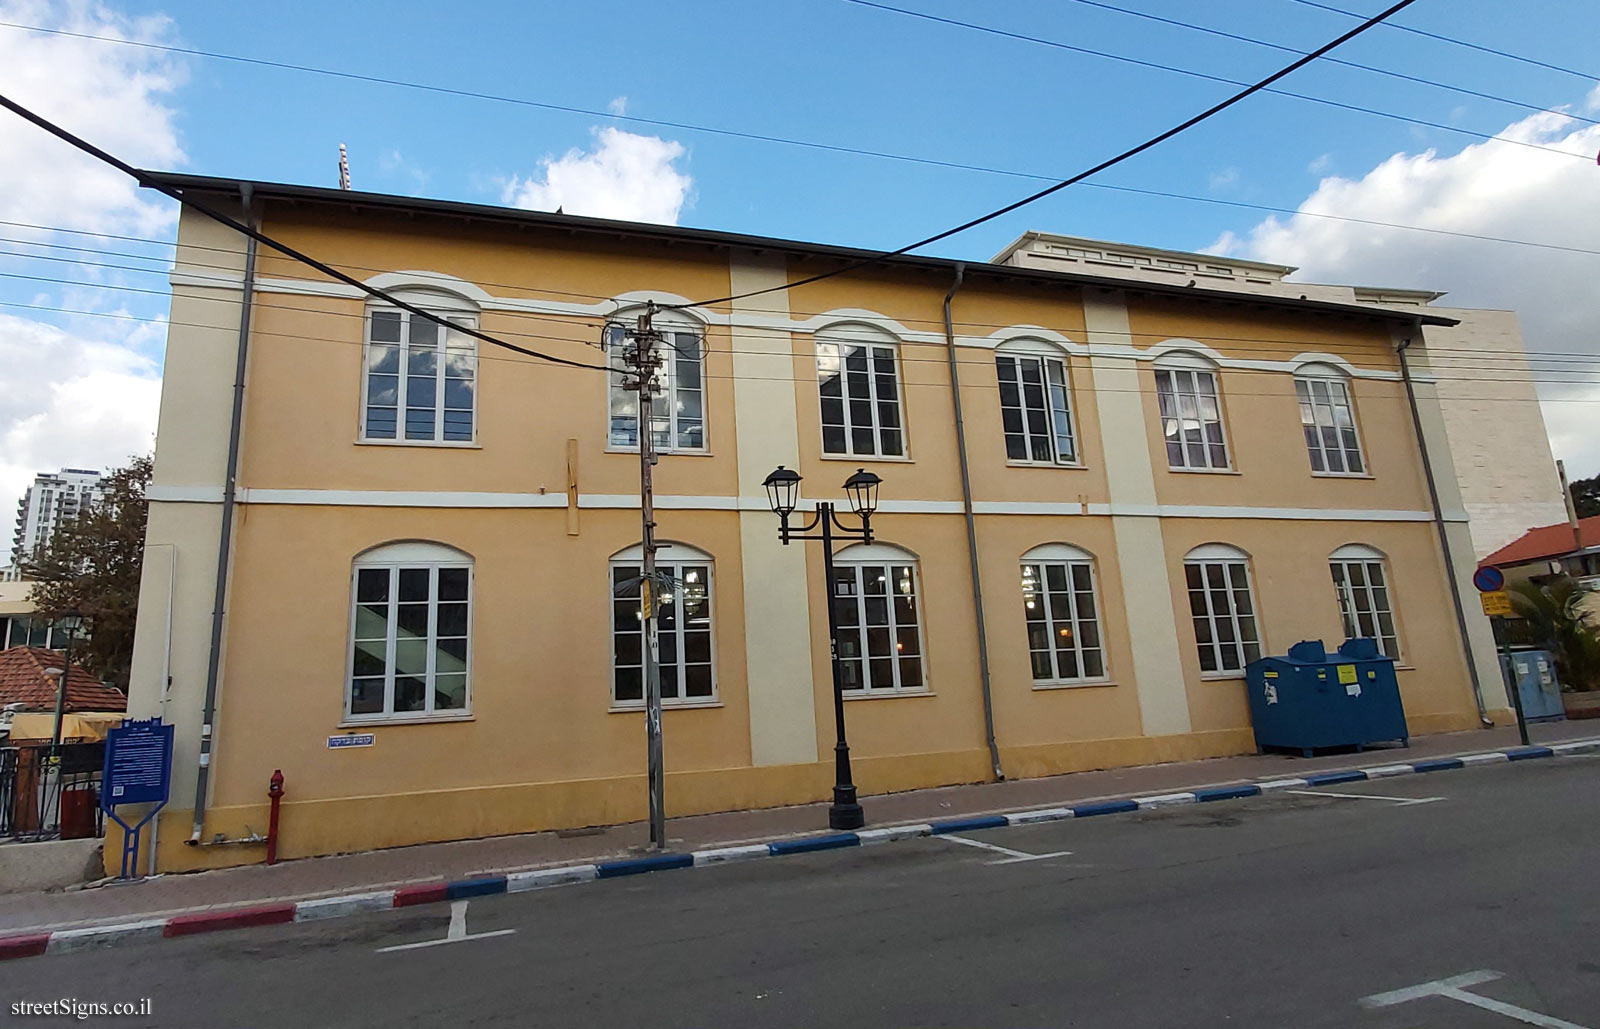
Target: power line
{"type": "Point", "coordinates": [240, 227]}
{"type": "Point", "coordinates": [1131, 12]}
{"type": "Point", "coordinates": [1591, 76]}
{"type": "Point", "coordinates": [1153, 141]}
{"type": "Point", "coordinates": [1341, 105]}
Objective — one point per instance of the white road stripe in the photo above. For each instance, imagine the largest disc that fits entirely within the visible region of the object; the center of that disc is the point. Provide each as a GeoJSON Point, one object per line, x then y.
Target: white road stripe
{"type": "Point", "coordinates": [1455, 988]}
{"type": "Point", "coordinates": [457, 933]}
{"type": "Point", "coordinates": [1366, 796]}
{"type": "Point", "coordinates": [1012, 856]}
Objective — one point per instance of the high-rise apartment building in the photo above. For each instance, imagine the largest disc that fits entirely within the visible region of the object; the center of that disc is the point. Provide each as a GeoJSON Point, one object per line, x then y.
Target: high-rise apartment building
{"type": "Point", "coordinates": [52, 498]}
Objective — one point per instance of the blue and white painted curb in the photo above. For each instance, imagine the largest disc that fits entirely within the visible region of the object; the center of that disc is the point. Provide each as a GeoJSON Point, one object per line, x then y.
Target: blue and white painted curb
{"type": "Point", "coordinates": [93, 937]}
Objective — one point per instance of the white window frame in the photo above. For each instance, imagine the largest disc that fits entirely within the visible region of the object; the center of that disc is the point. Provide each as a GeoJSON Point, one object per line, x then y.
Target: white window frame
{"type": "Point", "coordinates": [1048, 359]}
{"type": "Point", "coordinates": [859, 560]}
{"type": "Point", "coordinates": [1215, 555]}
{"type": "Point", "coordinates": [1324, 415]}
{"type": "Point", "coordinates": [669, 557]}
{"type": "Point", "coordinates": [668, 388]}
{"type": "Point", "coordinates": [1349, 596]}
{"type": "Point", "coordinates": [449, 310]}
{"type": "Point", "coordinates": [409, 555]}
{"type": "Point", "coordinates": [1185, 374]}
{"type": "Point", "coordinates": [1068, 558]}
{"type": "Point", "coordinates": [835, 346]}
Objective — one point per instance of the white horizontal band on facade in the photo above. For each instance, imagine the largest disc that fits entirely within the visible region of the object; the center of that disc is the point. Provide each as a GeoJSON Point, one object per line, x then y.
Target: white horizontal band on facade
{"type": "Point", "coordinates": [621, 501]}
{"type": "Point", "coordinates": [814, 324]}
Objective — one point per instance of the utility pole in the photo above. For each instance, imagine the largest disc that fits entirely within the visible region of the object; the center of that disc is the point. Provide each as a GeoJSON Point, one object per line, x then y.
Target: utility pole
{"type": "Point", "coordinates": [641, 358]}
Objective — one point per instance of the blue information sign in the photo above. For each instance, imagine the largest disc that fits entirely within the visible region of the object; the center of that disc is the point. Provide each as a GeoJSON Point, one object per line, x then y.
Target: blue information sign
{"type": "Point", "coordinates": [1489, 579]}
{"type": "Point", "coordinates": [138, 766]}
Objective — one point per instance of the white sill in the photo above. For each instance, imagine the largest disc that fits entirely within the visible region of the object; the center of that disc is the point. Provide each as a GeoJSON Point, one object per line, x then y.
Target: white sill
{"type": "Point", "coordinates": [1204, 471]}
{"type": "Point", "coordinates": [865, 458]}
{"type": "Point", "coordinates": [662, 453]}
{"type": "Point", "coordinates": [666, 705]}
{"type": "Point", "coordinates": [1223, 676]}
{"type": "Point", "coordinates": [1073, 684]}
{"type": "Point", "coordinates": [1342, 475]}
{"type": "Point", "coordinates": [885, 694]}
{"type": "Point", "coordinates": [456, 444]}
{"type": "Point", "coordinates": [406, 719]}
{"type": "Point", "coordinates": [1078, 466]}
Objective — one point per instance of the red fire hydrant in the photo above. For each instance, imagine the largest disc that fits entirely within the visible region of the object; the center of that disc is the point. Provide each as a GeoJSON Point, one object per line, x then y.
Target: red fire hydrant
{"type": "Point", "coordinates": [275, 791]}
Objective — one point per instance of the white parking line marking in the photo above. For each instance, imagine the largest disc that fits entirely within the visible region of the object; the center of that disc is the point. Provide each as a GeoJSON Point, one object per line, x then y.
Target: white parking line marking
{"type": "Point", "coordinates": [1013, 856]}
{"type": "Point", "coordinates": [1455, 988]}
{"type": "Point", "coordinates": [1401, 801]}
{"type": "Point", "coordinates": [455, 934]}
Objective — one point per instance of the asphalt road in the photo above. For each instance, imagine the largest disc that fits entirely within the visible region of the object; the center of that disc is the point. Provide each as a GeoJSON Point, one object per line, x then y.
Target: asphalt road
{"type": "Point", "coordinates": [1278, 911]}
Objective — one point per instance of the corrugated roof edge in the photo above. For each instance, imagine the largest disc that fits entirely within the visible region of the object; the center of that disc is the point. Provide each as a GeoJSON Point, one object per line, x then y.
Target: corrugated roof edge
{"type": "Point", "coordinates": [713, 237]}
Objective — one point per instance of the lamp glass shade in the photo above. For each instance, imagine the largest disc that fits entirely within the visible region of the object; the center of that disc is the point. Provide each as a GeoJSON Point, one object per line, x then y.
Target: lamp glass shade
{"type": "Point", "coordinates": [862, 489]}
{"type": "Point", "coordinates": [783, 490]}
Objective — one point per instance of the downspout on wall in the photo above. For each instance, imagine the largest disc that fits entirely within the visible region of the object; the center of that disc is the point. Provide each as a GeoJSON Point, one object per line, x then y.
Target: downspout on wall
{"type": "Point", "coordinates": [1444, 536]}
{"type": "Point", "coordinates": [972, 529]}
{"type": "Point", "coordinates": [225, 538]}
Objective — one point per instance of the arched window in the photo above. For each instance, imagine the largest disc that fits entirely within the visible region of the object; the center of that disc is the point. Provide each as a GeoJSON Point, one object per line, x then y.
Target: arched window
{"type": "Point", "coordinates": [1223, 607]}
{"type": "Point", "coordinates": [677, 414]}
{"type": "Point", "coordinates": [1329, 420]}
{"type": "Point", "coordinates": [1061, 606]}
{"type": "Point", "coordinates": [1191, 412]}
{"type": "Point", "coordinates": [683, 627]}
{"type": "Point", "coordinates": [859, 387]}
{"type": "Point", "coordinates": [421, 372]}
{"type": "Point", "coordinates": [1036, 403]}
{"type": "Point", "coordinates": [875, 598]}
{"type": "Point", "coordinates": [410, 632]}
{"type": "Point", "coordinates": [1366, 605]}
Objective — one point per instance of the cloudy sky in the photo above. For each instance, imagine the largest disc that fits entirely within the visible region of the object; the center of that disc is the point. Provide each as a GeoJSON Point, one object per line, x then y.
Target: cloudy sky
{"type": "Point", "coordinates": [566, 114]}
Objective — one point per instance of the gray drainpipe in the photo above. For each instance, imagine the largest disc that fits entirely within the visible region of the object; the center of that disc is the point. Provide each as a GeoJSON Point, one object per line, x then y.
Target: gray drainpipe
{"type": "Point", "coordinates": [219, 603]}
{"type": "Point", "coordinates": [972, 529]}
{"type": "Point", "coordinates": [1444, 537]}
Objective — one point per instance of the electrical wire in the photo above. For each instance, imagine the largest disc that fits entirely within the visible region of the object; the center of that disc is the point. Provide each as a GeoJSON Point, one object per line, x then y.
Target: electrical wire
{"type": "Point", "coordinates": [151, 183]}
{"type": "Point", "coordinates": [1591, 76]}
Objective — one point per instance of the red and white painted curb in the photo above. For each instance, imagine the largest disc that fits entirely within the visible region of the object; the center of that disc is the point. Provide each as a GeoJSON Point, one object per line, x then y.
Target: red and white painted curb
{"type": "Point", "coordinates": [66, 941]}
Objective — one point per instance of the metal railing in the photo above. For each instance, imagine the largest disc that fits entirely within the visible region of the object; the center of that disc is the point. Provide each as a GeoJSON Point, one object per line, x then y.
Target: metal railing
{"type": "Point", "coordinates": [41, 799]}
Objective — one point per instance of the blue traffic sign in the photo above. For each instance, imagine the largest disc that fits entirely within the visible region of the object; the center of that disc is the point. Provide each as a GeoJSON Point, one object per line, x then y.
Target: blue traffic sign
{"type": "Point", "coordinates": [138, 768]}
{"type": "Point", "coordinates": [1489, 579]}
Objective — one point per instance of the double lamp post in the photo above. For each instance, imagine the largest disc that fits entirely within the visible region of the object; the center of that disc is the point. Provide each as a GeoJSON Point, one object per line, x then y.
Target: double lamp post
{"type": "Point", "coordinates": [783, 489]}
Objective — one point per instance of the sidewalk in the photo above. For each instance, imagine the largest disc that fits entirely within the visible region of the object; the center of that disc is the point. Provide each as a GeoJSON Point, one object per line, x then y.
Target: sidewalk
{"type": "Point", "coordinates": [316, 877]}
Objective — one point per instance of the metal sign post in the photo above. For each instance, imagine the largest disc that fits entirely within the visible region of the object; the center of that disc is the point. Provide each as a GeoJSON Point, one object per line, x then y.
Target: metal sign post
{"type": "Point", "coordinates": [1491, 584]}
{"type": "Point", "coordinates": [138, 770]}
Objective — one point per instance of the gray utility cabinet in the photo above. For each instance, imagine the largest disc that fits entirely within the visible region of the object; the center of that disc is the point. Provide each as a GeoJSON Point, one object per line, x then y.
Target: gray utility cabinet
{"type": "Point", "coordinates": [1533, 672]}
{"type": "Point", "coordinates": [1309, 699]}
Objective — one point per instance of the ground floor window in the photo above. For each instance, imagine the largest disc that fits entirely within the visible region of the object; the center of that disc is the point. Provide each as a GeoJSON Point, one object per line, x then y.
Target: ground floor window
{"type": "Point", "coordinates": [880, 634]}
{"type": "Point", "coordinates": [1062, 615]}
{"type": "Point", "coordinates": [410, 632]}
{"type": "Point", "coordinates": [1223, 608]}
{"type": "Point", "coordinates": [1365, 604]}
{"type": "Point", "coordinates": [683, 628]}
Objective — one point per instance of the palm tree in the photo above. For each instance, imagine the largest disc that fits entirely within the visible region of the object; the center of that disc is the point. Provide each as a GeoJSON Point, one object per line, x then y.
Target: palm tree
{"type": "Point", "coordinates": [1554, 613]}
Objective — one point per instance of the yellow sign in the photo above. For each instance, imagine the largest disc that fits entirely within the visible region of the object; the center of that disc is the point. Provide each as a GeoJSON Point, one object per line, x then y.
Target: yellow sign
{"type": "Point", "coordinates": [1347, 674]}
{"type": "Point", "coordinates": [647, 605]}
{"type": "Point", "coordinates": [1496, 604]}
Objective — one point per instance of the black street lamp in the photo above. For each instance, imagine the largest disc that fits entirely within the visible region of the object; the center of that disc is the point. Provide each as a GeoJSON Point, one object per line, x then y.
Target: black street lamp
{"type": "Point", "coordinates": [67, 624]}
{"type": "Point", "coordinates": [783, 488]}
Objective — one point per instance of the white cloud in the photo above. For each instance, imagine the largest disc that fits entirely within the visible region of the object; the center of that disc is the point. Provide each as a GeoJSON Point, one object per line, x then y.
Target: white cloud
{"type": "Point", "coordinates": [1320, 165]}
{"type": "Point", "coordinates": [86, 396]}
{"type": "Point", "coordinates": [1493, 188]}
{"type": "Point", "coordinates": [625, 176]}
{"type": "Point", "coordinates": [618, 106]}
{"type": "Point", "coordinates": [1221, 180]}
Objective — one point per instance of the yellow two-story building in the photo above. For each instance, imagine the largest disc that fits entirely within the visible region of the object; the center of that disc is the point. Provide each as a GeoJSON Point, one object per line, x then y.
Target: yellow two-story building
{"type": "Point", "coordinates": [392, 559]}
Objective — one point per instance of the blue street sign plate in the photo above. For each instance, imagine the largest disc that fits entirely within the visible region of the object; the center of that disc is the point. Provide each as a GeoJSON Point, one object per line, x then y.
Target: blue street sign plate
{"type": "Point", "coordinates": [1489, 579]}
{"type": "Point", "coordinates": [138, 768]}
{"type": "Point", "coordinates": [354, 739]}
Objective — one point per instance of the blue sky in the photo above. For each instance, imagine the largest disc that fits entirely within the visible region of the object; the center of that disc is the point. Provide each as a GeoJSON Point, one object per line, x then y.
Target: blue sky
{"type": "Point", "coordinates": [81, 389]}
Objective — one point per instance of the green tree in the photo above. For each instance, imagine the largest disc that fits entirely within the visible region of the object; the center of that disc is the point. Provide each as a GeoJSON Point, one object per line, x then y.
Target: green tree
{"type": "Point", "coordinates": [91, 565]}
{"type": "Point", "coordinates": [1586, 496]}
{"type": "Point", "coordinates": [1556, 618]}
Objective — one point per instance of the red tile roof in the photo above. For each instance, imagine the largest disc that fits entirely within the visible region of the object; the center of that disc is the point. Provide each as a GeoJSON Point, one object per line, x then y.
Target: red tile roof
{"type": "Point", "coordinates": [22, 681]}
{"type": "Point", "coordinates": [1546, 541]}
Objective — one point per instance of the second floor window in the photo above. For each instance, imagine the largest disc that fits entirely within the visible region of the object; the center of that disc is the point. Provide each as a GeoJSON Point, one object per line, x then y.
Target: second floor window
{"type": "Point", "coordinates": [1035, 408]}
{"type": "Point", "coordinates": [860, 388]}
{"type": "Point", "coordinates": [1329, 421]}
{"type": "Point", "coordinates": [677, 415]}
{"type": "Point", "coordinates": [421, 382]}
{"type": "Point", "coordinates": [1191, 417]}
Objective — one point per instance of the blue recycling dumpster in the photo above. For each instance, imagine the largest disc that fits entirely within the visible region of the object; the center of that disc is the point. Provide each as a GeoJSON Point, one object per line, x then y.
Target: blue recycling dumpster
{"type": "Point", "coordinates": [1310, 699]}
